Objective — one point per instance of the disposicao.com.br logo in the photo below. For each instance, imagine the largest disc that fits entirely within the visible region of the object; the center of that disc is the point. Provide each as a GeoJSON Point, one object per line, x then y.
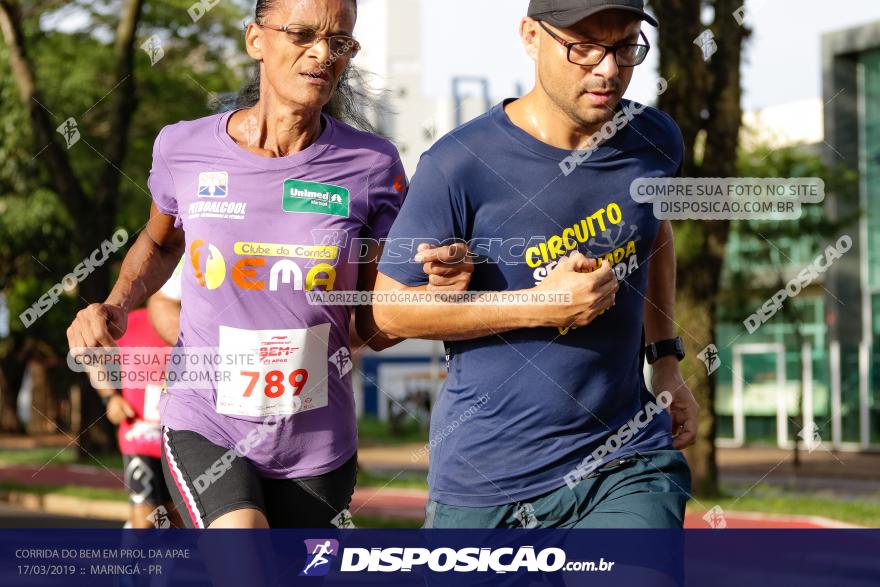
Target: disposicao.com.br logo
{"type": "Point", "coordinates": [440, 560]}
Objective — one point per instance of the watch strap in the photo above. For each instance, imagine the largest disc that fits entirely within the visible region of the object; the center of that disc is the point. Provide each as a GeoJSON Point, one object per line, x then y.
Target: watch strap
{"type": "Point", "coordinates": [664, 348]}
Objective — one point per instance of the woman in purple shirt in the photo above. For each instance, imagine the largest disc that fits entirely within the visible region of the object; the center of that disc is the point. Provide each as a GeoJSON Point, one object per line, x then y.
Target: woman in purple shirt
{"type": "Point", "coordinates": [267, 204]}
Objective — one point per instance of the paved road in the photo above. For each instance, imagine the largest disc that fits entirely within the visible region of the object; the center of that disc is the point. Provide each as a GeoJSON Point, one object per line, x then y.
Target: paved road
{"type": "Point", "coordinates": [13, 517]}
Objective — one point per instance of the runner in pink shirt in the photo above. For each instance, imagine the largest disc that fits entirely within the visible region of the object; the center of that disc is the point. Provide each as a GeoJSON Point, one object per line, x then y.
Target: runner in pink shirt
{"type": "Point", "coordinates": [136, 411]}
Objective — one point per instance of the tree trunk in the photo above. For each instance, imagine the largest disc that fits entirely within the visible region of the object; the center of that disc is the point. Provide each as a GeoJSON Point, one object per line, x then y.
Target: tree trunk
{"type": "Point", "coordinates": [12, 370]}
{"type": "Point", "coordinates": [704, 99]}
{"type": "Point", "coordinates": [696, 320]}
{"type": "Point", "coordinates": [97, 433]}
{"type": "Point", "coordinates": [54, 156]}
{"type": "Point", "coordinates": [40, 420]}
{"type": "Point", "coordinates": [93, 214]}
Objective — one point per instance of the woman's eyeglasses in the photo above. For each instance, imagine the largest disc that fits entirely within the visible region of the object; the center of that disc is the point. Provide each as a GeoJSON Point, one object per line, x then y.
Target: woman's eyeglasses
{"type": "Point", "coordinates": [340, 45]}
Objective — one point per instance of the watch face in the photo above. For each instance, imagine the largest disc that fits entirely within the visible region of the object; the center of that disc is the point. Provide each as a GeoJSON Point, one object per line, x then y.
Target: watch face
{"type": "Point", "coordinates": [679, 348]}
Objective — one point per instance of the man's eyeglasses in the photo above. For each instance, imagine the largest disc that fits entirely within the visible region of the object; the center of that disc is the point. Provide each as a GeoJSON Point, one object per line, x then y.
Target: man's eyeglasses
{"type": "Point", "coordinates": [340, 45]}
{"type": "Point", "coordinates": [625, 54]}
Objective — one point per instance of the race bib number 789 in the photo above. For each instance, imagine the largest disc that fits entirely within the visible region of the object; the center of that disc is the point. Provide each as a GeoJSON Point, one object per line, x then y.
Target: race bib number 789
{"type": "Point", "coordinates": [272, 372]}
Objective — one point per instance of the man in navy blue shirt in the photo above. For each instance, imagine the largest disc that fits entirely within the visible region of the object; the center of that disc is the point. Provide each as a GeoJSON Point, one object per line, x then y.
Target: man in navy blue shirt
{"type": "Point", "coordinates": [545, 419]}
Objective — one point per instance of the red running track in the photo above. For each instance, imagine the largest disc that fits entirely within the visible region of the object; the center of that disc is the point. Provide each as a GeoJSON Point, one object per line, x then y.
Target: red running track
{"type": "Point", "coordinates": [374, 502]}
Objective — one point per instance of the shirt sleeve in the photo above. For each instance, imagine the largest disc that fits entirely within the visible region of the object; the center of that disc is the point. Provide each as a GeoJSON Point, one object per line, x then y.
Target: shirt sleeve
{"type": "Point", "coordinates": [387, 190]}
{"type": "Point", "coordinates": [429, 215]}
{"type": "Point", "coordinates": [173, 288]}
{"type": "Point", "coordinates": [161, 182]}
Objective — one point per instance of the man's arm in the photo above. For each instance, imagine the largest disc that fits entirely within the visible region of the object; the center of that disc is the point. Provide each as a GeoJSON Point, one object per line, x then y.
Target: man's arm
{"type": "Point", "coordinates": [660, 325]}
{"type": "Point", "coordinates": [449, 321]}
{"type": "Point", "coordinates": [432, 212]}
{"type": "Point", "coordinates": [660, 296]}
{"type": "Point", "coordinates": [591, 294]}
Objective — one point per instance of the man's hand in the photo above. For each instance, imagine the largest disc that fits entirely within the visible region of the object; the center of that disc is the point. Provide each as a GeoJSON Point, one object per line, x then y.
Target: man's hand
{"type": "Point", "coordinates": [684, 409]}
{"type": "Point", "coordinates": [448, 268]}
{"type": "Point", "coordinates": [592, 291]}
{"type": "Point", "coordinates": [118, 410]}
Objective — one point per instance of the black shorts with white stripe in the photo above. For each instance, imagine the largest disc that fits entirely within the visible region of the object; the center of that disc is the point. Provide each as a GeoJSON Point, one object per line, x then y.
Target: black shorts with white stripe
{"type": "Point", "coordinates": [203, 491]}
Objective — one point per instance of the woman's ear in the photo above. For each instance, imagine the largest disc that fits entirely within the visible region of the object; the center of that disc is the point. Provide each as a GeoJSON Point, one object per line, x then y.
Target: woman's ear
{"type": "Point", "coordinates": [253, 38]}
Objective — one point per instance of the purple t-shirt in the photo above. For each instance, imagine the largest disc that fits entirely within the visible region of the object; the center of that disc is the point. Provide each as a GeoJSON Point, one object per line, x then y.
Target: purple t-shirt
{"type": "Point", "coordinates": [261, 232]}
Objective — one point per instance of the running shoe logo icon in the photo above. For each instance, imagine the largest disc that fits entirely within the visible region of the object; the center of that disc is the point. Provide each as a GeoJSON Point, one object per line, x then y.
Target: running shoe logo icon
{"type": "Point", "coordinates": [321, 553]}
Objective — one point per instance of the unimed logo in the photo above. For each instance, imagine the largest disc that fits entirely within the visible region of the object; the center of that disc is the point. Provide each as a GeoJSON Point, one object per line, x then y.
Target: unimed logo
{"type": "Point", "coordinates": [322, 553]}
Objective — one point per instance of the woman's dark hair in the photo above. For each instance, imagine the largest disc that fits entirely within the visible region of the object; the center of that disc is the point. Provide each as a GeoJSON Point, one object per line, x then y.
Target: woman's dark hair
{"type": "Point", "coordinates": [349, 103]}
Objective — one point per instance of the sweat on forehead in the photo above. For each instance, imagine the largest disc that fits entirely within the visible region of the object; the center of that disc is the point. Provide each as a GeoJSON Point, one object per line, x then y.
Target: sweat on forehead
{"type": "Point", "coordinates": [610, 25]}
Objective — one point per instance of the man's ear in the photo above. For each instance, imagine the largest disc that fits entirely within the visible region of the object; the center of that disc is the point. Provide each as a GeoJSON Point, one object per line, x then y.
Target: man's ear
{"type": "Point", "coordinates": [530, 35]}
{"type": "Point", "coordinates": [253, 38]}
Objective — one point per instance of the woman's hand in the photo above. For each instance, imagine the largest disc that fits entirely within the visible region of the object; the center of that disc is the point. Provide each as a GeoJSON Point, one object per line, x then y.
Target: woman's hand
{"type": "Point", "coordinates": [97, 325]}
{"type": "Point", "coordinates": [448, 268]}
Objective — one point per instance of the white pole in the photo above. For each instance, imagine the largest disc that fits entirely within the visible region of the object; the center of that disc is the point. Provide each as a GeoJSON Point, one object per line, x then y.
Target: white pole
{"type": "Point", "coordinates": [836, 409]}
{"type": "Point", "coordinates": [781, 400]}
{"type": "Point", "coordinates": [807, 381]}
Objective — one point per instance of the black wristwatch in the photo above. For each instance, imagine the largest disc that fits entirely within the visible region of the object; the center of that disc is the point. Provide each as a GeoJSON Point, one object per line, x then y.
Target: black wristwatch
{"type": "Point", "coordinates": [664, 348]}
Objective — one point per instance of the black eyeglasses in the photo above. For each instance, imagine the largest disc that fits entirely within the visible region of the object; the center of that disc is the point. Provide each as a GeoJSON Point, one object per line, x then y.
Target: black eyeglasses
{"type": "Point", "coordinates": [302, 36]}
{"type": "Point", "coordinates": [625, 54]}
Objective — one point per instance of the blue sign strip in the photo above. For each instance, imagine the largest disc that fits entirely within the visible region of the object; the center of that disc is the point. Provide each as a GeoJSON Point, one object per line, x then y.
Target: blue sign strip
{"type": "Point", "coordinates": [801, 558]}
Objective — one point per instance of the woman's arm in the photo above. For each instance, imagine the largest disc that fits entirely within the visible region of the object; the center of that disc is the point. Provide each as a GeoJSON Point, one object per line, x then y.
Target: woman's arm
{"type": "Point", "coordinates": [148, 264]}
{"type": "Point", "coordinates": [448, 269]}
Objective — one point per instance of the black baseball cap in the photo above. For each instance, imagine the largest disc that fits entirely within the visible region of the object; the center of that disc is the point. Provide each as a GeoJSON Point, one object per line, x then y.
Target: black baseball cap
{"type": "Point", "coordinates": [564, 13]}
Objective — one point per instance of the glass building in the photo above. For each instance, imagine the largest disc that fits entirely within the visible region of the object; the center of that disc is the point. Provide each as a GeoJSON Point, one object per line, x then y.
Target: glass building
{"type": "Point", "coordinates": [824, 363]}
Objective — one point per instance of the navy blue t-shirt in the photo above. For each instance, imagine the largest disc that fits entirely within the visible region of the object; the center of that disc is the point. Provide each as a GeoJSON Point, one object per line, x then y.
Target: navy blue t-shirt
{"type": "Point", "coordinates": [521, 409]}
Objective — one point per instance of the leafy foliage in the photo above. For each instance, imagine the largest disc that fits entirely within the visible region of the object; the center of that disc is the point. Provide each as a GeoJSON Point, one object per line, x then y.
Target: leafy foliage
{"type": "Point", "coordinates": [782, 247]}
{"type": "Point", "coordinates": [72, 50]}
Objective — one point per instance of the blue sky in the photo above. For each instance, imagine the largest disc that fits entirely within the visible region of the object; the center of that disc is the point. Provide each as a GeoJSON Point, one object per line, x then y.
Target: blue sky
{"type": "Point", "coordinates": [481, 38]}
{"type": "Point", "coordinates": [782, 60]}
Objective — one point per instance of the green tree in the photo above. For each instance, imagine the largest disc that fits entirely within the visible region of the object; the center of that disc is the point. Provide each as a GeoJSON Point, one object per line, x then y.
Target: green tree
{"type": "Point", "coordinates": [59, 204]}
